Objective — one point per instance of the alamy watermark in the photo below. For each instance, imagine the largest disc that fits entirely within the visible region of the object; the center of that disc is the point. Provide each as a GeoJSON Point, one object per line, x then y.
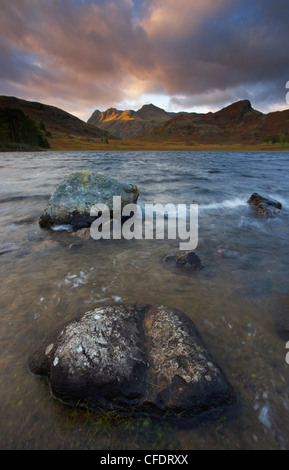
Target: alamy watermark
{"type": "Point", "coordinates": [287, 95]}
{"type": "Point", "coordinates": [157, 221]}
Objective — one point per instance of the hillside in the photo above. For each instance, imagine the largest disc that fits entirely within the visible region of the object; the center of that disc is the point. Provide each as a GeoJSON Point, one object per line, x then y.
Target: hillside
{"type": "Point", "coordinates": [58, 123]}
{"type": "Point", "coordinates": [19, 132]}
{"type": "Point", "coordinates": [129, 123]}
{"type": "Point", "coordinates": [236, 127]}
{"type": "Point", "coordinates": [238, 123]}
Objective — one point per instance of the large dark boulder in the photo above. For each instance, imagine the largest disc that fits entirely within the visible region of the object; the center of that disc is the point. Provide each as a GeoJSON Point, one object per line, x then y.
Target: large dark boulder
{"type": "Point", "coordinates": [264, 206]}
{"type": "Point", "coordinates": [134, 358]}
{"type": "Point", "coordinates": [71, 202]}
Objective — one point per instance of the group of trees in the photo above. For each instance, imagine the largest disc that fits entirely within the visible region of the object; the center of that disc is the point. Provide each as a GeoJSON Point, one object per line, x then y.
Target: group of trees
{"type": "Point", "coordinates": [17, 127]}
{"type": "Point", "coordinates": [277, 139]}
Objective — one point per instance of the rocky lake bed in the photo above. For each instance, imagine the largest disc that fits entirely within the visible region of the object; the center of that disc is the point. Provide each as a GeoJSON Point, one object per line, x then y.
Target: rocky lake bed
{"type": "Point", "coordinates": [192, 333]}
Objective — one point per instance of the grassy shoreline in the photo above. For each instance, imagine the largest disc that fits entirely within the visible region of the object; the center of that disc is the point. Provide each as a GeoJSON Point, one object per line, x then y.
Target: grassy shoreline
{"type": "Point", "coordinates": [74, 143]}
{"type": "Point", "coordinates": [63, 144]}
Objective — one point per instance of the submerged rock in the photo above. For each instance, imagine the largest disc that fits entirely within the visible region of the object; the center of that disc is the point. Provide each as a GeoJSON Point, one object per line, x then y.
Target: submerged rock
{"type": "Point", "coordinates": [134, 358]}
{"type": "Point", "coordinates": [83, 233]}
{"type": "Point", "coordinates": [71, 202]}
{"type": "Point", "coordinates": [187, 259]}
{"type": "Point", "coordinates": [225, 253]}
{"type": "Point", "coordinates": [265, 206]}
{"type": "Point", "coordinates": [283, 330]}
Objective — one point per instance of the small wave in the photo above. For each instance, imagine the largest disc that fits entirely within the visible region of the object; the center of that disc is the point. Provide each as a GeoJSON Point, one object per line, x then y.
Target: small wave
{"type": "Point", "coordinates": [262, 226]}
{"type": "Point", "coordinates": [35, 197]}
{"type": "Point", "coordinates": [226, 204]}
{"type": "Point", "coordinates": [202, 178]}
{"type": "Point", "coordinates": [166, 210]}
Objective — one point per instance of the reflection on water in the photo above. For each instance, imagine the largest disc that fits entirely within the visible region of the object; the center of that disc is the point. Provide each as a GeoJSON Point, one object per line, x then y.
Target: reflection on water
{"type": "Point", "coordinates": [49, 277]}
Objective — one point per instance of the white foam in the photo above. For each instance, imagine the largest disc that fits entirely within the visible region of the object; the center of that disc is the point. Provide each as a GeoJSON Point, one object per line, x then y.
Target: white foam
{"type": "Point", "coordinates": [251, 223]}
{"type": "Point", "coordinates": [179, 211]}
{"type": "Point", "coordinates": [59, 228]}
{"type": "Point", "coordinates": [264, 416]}
{"type": "Point", "coordinates": [74, 280]}
{"type": "Point", "coordinates": [226, 204]}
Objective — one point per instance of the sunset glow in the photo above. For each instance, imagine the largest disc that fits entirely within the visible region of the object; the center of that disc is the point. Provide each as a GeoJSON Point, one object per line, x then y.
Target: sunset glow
{"type": "Point", "coordinates": [196, 56]}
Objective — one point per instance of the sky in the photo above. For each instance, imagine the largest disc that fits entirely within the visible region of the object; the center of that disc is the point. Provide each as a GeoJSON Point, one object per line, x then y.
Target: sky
{"type": "Point", "coordinates": [180, 55]}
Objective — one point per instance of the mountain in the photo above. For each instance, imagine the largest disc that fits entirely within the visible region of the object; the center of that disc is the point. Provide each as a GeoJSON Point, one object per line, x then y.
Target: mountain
{"type": "Point", "coordinates": [56, 122]}
{"type": "Point", "coordinates": [236, 123]}
{"type": "Point", "coordinates": [150, 128]}
{"type": "Point", "coordinates": [129, 123]}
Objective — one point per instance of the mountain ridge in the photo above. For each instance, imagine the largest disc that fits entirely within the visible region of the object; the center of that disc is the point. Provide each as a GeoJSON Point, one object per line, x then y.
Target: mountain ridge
{"type": "Point", "coordinates": [236, 126]}
{"type": "Point", "coordinates": [236, 123]}
{"type": "Point", "coordinates": [129, 123]}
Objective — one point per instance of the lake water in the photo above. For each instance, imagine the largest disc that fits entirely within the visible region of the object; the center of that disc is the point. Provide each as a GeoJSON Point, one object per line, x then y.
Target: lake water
{"type": "Point", "coordinates": [237, 299]}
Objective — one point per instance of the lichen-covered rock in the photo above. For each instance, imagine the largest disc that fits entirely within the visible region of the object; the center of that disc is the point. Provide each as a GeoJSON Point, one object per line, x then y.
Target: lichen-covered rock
{"type": "Point", "coordinates": [264, 206]}
{"type": "Point", "coordinates": [71, 202]}
{"type": "Point", "coordinates": [133, 358]}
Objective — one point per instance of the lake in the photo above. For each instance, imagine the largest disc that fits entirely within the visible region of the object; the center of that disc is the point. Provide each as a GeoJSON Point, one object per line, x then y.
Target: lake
{"type": "Point", "coordinates": [237, 300]}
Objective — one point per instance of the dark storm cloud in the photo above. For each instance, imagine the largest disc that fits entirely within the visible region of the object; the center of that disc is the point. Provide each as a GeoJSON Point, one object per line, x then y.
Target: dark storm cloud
{"type": "Point", "coordinates": [100, 52]}
{"type": "Point", "coordinates": [230, 49]}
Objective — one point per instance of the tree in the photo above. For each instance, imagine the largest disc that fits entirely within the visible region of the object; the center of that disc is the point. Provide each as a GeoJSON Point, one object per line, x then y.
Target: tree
{"type": "Point", "coordinates": [16, 127]}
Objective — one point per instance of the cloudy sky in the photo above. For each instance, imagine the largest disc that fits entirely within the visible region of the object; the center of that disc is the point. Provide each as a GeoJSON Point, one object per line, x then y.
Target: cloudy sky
{"type": "Point", "coordinates": [191, 55]}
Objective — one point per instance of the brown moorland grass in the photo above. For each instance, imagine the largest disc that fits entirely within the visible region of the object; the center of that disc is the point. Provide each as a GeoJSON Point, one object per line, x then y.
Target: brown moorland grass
{"type": "Point", "coordinates": [73, 143]}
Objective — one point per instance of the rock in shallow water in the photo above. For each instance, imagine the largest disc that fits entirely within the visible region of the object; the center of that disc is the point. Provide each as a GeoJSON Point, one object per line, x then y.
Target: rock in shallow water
{"type": "Point", "coordinates": [83, 233]}
{"type": "Point", "coordinates": [133, 358]}
{"type": "Point", "coordinates": [187, 259]}
{"type": "Point", "coordinates": [265, 206]}
{"type": "Point", "coordinates": [71, 202]}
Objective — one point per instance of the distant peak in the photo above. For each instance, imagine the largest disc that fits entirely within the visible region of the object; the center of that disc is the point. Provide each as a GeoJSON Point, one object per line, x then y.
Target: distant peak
{"type": "Point", "coordinates": [152, 113]}
{"type": "Point", "coordinates": [240, 105]}
{"type": "Point", "coordinates": [236, 111]}
{"type": "Point", "coordinates": [149, 106]}
{"type": "Point", "coordinates": [243, 103]}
